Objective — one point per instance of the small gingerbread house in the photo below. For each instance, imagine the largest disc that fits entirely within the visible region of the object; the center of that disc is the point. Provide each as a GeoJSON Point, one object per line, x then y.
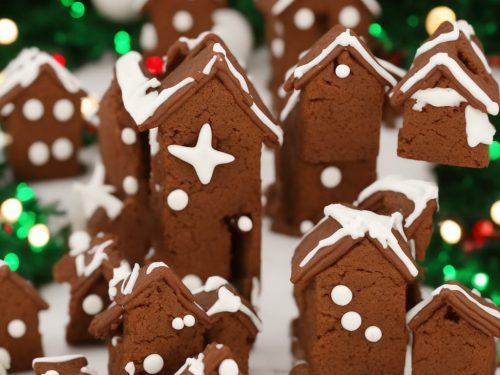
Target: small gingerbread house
{"type": "Point", "coordinates": [234, 321]}
{"type": "Point", "coordinates": [350, 276]}
{"type": "Point", "coordinates": [87, 268]}
{"type": "Point", "coordinates": [40, 110]}
{"type": "Point", "coordinates": [215, 359]}
{"type": "Point", "coordinates": [332, 121]}
{"type": "Point", "coordinates": [447, 95]}
{"type": "Point", "coordinates": [20, 304]}
{"type": "Point", "coordinates": [154, 323]}
{"type": "Point", "coordinates": [454, 332]}
{"type": "Point", "coordinates": [63, 365]}
{"type": "Point", "coordinates": [211, 125]}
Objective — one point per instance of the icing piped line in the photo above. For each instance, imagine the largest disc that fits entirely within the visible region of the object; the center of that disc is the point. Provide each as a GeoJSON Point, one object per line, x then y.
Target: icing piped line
{"type": "Point", "coordinates": [98, 257]}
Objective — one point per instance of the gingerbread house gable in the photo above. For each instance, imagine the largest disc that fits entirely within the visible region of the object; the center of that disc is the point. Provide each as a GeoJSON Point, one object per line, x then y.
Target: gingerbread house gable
{"type": "Point", "coordinates": [481, 314]}
{"type": "Point", "coordinates": [185, 47]}
{"type": "Point", "coordinates": [63, 365]}
{"type": "Point", "coordinates": [216, 358]}
{"type": "Point", "coordinates": [339, 232]}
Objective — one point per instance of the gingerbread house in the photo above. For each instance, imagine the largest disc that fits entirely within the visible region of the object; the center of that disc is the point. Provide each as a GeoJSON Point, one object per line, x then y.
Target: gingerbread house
{"type": "Point", "coordinates": [206, 195]}
{"type": "Point", "coordinates": [350, 276]}
{"type": "Point", "coordinates": [332, 121]}
{"type": "Point", "coordinates": [454, 332]}
{"type": "Point", "coordinates": [215, 359]}
{"type": "Point", "coordinates": [87, 268]}
{"type": "Point", "coordinates": [447, 96]}
{"type": "Point", "coordinates": [40, 110]}
{"type": "Point", "coordinates": [20, 304]}
{"type": "Point", "coordinates": [151, 300]}
{"type": "Point", "coordinates": [234, 321]}
{"type": "Point", "coordinates": [63, 365]}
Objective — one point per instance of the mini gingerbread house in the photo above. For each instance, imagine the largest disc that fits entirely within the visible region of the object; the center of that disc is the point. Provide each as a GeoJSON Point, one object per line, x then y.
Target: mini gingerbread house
{"type": "Point", "coordinates": [216, 359]}
{"type": "Point", "coordinates": [211, 125]}
{"type": "Point", "coordinates": [453, 332]}
{"type": "Point", "coordinates": [64, 365]}
{"type": "Point", "coordinates": [447, 96]}
{"type": "Point", "coordinates": [20, 304]}
{"type": "Point", "coordinates": [332, 121]}
{"type": "Point", "coordinates": [40, 109]}
{"type": "Point", "coordinates": [87, 268]}
{"type": "Point", "coordinates": [351, 274]}
{"type": "Point", "coordinates": [149, 301]}
{"type": "Point", "coordinates": [234, 321]}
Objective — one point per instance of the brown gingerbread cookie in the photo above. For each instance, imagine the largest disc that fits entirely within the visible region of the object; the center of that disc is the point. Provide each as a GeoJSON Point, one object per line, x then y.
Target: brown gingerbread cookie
{"type": "Point", "coordinates": [64, 365]}
{"type": "Point", "coordinates": [216, 359]}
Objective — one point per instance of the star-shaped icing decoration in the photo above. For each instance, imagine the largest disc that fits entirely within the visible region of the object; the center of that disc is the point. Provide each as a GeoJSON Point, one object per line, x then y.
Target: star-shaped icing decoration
{"type": "Point", "coordinates": [97, 194]}
{"type": "Point", "coordinates": [203, 157]}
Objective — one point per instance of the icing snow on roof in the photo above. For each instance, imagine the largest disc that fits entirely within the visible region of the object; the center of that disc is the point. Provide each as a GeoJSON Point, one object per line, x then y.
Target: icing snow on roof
{"type": "Point", "coordinates": [281, 5]}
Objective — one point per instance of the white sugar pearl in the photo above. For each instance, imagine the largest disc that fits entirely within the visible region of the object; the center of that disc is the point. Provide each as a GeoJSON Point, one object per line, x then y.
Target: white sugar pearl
{"type": "Point", "coordinates": [341, 295]}
{"type": "Point", "coordinates": [304, 18]}
{"type": "Point", "coordinates": [129, 136]}
{"type": "Point", "coordinates": [38, 153]}
{"type": "Point", "coordinates": [228, 367]}
{"type": "Point", "coordinates": [62, 149]}
{"type": "Point", "coordinates": [342, 71]}
{"type": "Point", "coordinates": [351, 321]}
{"type": "Point", "coordinates": [189, 320]}
{"type": "Point", "coordinates": [373, 334]}
{"type": "Point", "coordinates": [92, 304]}
{"type": "Point", "coordinates": [245, 224]}
{"type": "Point", "coordinates": [16, 328]}
{"type": "Point", "coordinates": [178, 324]}
{"type": "Point", "coordinates": [349, 16]}
{"type": "Point", "coordinates": [149, 37]}
{"type": "Point", "coordinates": [33, 109]}
{"type": "Point", "coordinates": [182, 21]}
{"type": "Point", "coordinates": [130, 185]}
{"type": "Point", "coordinates": [306, 226]}
{"type": "Point", "coordinates": [7, 109]}
{"type": "Point", "coordinates": [178, 200]}
{"type": "Point", "coordinates": [4, 358]}
{"type": "Point", "coordinates": [331, 177]}
{"type": "Point", "coordinates": [153, 364]}
{"type": "Point", "coordinates": [63, 110]}
{"type": "Point", "coordinates": [278, 47]}
{"type": "Point", "coordinates": [79, 241]}
{"type": "Point", "coordinates": [192, 282]}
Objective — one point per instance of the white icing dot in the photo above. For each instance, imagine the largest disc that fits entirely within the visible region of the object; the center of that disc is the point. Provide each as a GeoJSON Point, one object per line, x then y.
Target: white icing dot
{"type": "Point", "coordinates": [341, 295]}
{"type": "Point", "coordinates": [278, 47]}
{"type": "Point", "coordinates": [51, 372]}
{"type": "Point", "coordinates": [38, 153]}
{"type": "Point", "coordinates": [192, 282]}
{"type": "Point", "coordinates": [349, 16]}
{"type": "Point", "coordinates": [178, 324]}
{"type": "Point", "coordinates": [149, 37]}
{"type": "Point", "coordinates": [331, 177]}
{"type": "Point", "coordinates": [154, 146]}
{"type": "Point", "coordinates": [351, 321]}
{"type": "Point", "coordinates": [228, 367]}
{"type": "Point", "coordinates": [62, 149]}
{"type": "Point", "coordinates": [373, 334]}
{"type": "Point", "coordinates": [130, 185]}
{"type": "Point", "coordinates": [178, 200]}
{"type": "Point", "coordinates": [182, 21]}
{"type": "Point", "coordinates": [342, 71]}
{"type": "Point", "coordinates": [78, 242]}
{"type": "Point", "coordinates": [128, 136]}
{"type": "Point", "coordinates": [306, 226]}
{"type": "Point", "coordinates": [63, 110]}
{"type": "Point", "coordinates": [153, 364]}
{"type": "Point", "coordinates": [33, 109]}
{"type": "Point", "coordinates": [92, 304]}
{"type": "Point", "coordinates": [304, 18]}
{"type": "Point", "coordinates": [16, 328]}
{"type": "Point", "coordinates": [245, 224]}
{"type": "Point", "coordinates": [4, 358]}
{"type": "Point", "coordinates": [189, 321]}
{"type": "Point", "coordinates": [7, 109]}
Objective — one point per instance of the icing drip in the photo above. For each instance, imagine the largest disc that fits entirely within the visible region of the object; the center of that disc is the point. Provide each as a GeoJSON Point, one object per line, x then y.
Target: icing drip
{"type": "Point", "coordinates": [478, 127]}
{"type": "Point", "coordinates": [195, 366]}
{"type": "Point", "coordinates": [128, 285]}
{"type": "Point", "coordinates": [119, 274]}
{"type": "Point", "coordinates": [98, 257]}
{"type": "Point", "coordinates": [154, 266]}
{"type": "Point", "coordinates": [437, 97]}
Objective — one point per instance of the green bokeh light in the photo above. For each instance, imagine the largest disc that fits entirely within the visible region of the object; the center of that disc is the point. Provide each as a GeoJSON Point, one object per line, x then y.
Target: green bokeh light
{"type": "Point", "coordinates": [122, 42]}
{"type": "Point", "coordinates": [67, 3]}
{"type": "Point", "coordinates": [24, 193]}
{"type": "Point", "coordinates": [375, 30]}
{"type": "Point", "coordinates": [413, 20]}
{"type": "Point", "coordinates": [480, 281]}
{"type": "Point", "coordinates": [77, 10]}
{"type": "Point", "coordinates": [449, 272]}
{"type": "Point", "coordinates": [12, 260]}
{"type": "Point", "coordinates": [495, 150]}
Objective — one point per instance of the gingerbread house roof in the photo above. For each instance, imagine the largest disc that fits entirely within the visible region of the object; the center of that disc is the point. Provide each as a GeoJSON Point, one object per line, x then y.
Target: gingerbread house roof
{"type": "Point", "coordinates": [148, 100]}
{"type": "Point", "coordinates": [341, 230]}
{"type": "Point", "coordinates": [216, 358]}
{"type": "Point", "coordinates": [278, 7]}
{"type": "Point", "coordinates": [323, 52]}
{"type": "Point", "coordinates": [132, 287]}
{"type": "Point", "coordinates": [23, 71]}
{"type": "Point", "coordinates": [57, 365]}
{"type": "Point", "coordinates": [27, 290]}
{"type": "Point", "coordinates": [480, 313]}
{"type": "Point", "coordinates": [218, 297]}
{"type": "Point", "coordinates": [185, 47]}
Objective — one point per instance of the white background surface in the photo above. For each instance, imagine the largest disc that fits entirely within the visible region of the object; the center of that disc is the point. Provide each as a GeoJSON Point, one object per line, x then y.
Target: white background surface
{"type": "Point", "coordinates": [271, 354]}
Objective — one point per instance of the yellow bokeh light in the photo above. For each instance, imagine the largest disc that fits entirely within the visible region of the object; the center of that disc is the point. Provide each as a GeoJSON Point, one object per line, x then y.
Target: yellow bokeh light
{"type": "Point", "coordinates": [38, 235]}
{"type": "Point", "coordinates": [495, 212]}
{"type": "Point", "coordinates": [8, 31]}
{"type": "Point", "coordinates": [437, 16]}
{"type": "Point", "coordinates": [450, 231]}
{"type": "Point", "coordinates": [11, 210]}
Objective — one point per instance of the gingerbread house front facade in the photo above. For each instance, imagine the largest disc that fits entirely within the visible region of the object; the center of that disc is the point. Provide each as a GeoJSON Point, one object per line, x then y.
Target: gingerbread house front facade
{"type": "Point", "coordinates": [40, 109]}
{"type": "Point", "coordinates": [350, 276]}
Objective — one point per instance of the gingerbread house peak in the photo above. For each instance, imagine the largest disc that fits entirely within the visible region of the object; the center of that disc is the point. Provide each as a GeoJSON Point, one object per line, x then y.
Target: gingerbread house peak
{"type": "Point", "coordinates": [277, 7]}
{"type": "Point", "coordinates": [480, 313]}
{"type": "Point", "coordinates": [216, 358]}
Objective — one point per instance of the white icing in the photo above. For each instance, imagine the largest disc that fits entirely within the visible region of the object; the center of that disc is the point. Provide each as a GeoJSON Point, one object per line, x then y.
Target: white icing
{"type": "Point", "coordinates": [150, 254]}
{"type": "Point", "coordinates": [192, 282]}
{"type": "Point", "coordinates": [357, 224]}
{"type": "Point", "coordinates": [62, 149]}
{"type": "Point", "coordinates": [92, 304]}
{"type": "Point", "coordinates": [154, 266]}
{"type": "Point", "coordinates": [192, 43]}
{"type": "Point", "coordinates": [391, 68]}
{"type": "Point", "coordinates": [228, 367]}
{"type": "Point", "coordinates": [255, 293]}
{"type": "Point", "coordinates": [182, 21]}
{"type": "Point", "coordinates": [189, 320]}
{"type": "Point", "coordinates": [7, 109]}
{"type": "Point", "coordinates": [341, 295]}
{"type": "Point", "coordinates": [129, 283]}
{"type": "Point", "coordinates": [115, 339]}
{"type": "Point", "coordinates": [149, 37]}
{"type": "Point", "coordinates": [177, 200]}
{"type": "Point", "coordinates": [195, 366]}
{"type": "Point", "coordinates": [418, 191]}
{"type": "Point", "coordinates": [130, 368]}
{"type": "Point", "coordinates": [119, 274]}
{"type": "Point", "coordinates": [63, 110]}
{"type": "Point", "coordinates": [478, 127]}
{"type": "Point", "coordinates": [4, 361]}
{"type": "Point", "coordinates": [5, 139]}
{"type": "Point", "coordinates": [16, 328]}
{"type": "Point", "coordinates": [281, 5]}
{"type": "Point", "coordinates": [57, 359]}
{"type": "Point", "coordinates": [342, 71]}
{"type": "Point", "coordinates": [203, 157]}
{"type": "Point", "coordinates": [304, 18]}
{"type": "Point", "coordinates": [349, 16]}
{"type": "Point", "coordinates": [331, 177]}
{"type": "Point", "coordinates": [38, 153]}
{"type": "Point", "coordinates": [130, 185]}
{"type": "Point", "coordinates": [178, 323]}
{"type": "Point", "coordinates": [373, 334]}
{"type": "Point", "coordinates": [437, 97]}
{"type": "Point", "coordinates": [245, 224]}
{"type": "Point", "coordinates": [290, 105]}
{"type": "Point", "coordinates": [154, 146]}
{"type": "Point", "coordinates": [351, 321]}
{"type": "Point", "coordinates": [212, 283]}
{"type": "Point", "coordinates": [306, 226]}
{"type": "Point", "coordinates": [51, 372]}
{"type": "Point", "coordinates": [153, 364]}
{"type": "Point", "coordinates": [278, 48]}
{"type": "Point", "coordinates": [129, 137]}
{"type": "Point", "coordinates": [98, 256]}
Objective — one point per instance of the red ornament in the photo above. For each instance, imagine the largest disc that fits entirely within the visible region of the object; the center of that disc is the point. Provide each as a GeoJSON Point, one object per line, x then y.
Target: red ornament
{"type": "Point", "coordinates": [59, 58]}
{"type": "Point", "coordinates": [155, 65]}
{"type": "Point", "coordinates": [482, 229]}
{"type": "Point", "coordinates": [8, 229]}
